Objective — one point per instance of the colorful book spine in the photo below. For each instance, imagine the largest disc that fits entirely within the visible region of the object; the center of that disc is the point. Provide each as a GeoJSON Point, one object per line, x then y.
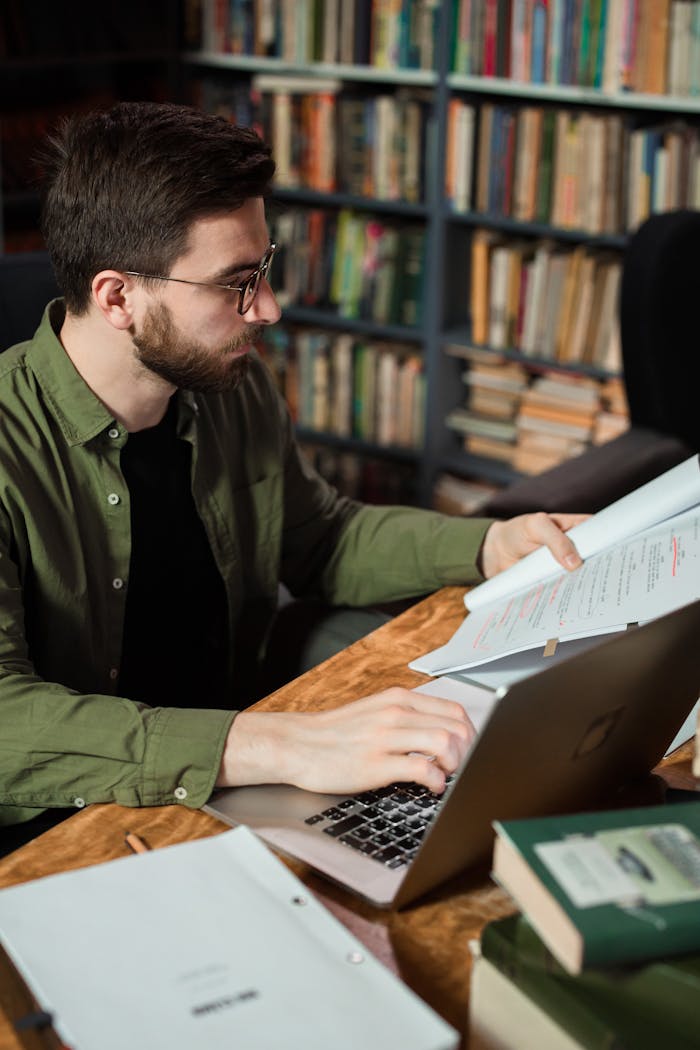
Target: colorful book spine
{"type": "Point", "coordinates": [538, 65]}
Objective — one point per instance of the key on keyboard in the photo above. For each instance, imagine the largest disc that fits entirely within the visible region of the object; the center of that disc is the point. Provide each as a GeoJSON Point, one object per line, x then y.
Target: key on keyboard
{"type": "Point", "coordinates": [386, 824]}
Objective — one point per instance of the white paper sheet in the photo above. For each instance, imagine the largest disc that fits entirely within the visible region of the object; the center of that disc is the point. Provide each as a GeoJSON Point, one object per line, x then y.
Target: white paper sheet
{"type": "Point", "coordinates": [213, 944]}
{"type": "Point", "coordinates": [670, 494]}
{"type": "Point", "coordinates": [637, 580]}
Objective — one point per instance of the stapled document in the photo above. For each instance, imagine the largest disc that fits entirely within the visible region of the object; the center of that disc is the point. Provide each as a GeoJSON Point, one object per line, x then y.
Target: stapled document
{"type": "Point", "coordinates": [213, 943]}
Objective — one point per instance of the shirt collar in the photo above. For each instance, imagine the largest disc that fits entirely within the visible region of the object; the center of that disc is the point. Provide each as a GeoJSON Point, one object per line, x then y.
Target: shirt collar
{"type": "Point", "coordinates": [80, 414]}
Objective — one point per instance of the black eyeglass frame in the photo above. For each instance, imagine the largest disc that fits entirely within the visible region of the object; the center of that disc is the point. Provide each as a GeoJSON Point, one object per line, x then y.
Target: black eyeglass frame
{"type": "Point", "coordinates": [244, 289]}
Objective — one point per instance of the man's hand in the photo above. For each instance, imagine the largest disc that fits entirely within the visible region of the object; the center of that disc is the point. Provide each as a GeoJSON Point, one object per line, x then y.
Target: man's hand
{"type": "Point", "coordinates": [508, 541]}
{"type": "Point", "coordinates": [389, 737]}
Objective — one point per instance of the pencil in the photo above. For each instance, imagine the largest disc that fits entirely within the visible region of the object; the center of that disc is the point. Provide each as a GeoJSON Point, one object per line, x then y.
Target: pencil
{"type": "Point", "coordinates": [135, 843]}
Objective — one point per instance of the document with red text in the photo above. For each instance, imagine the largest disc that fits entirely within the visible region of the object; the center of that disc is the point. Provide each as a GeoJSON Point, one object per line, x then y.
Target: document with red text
{"type": "Point", "coordinates": [641, 560]}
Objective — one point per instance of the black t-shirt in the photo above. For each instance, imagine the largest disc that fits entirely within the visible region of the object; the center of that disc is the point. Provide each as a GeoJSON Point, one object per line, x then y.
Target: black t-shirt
{"type": "Point", "coordinates": [175, 644]}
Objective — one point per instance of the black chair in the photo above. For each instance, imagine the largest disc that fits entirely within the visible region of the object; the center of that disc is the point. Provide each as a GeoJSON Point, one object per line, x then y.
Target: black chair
{"type": "Point", "coordinates": [27, 283]}
{"type": "Point", "coordinates": [658, 332]}
{"type": "Point", "coordinates": [659, 325]}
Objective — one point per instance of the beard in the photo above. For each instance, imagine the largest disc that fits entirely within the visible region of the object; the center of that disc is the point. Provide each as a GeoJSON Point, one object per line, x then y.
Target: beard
{"type": "Point", "coordinates": [189, 365]}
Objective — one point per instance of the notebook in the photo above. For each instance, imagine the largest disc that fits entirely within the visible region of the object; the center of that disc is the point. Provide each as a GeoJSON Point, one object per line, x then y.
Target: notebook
{"type": "Point", "coordinates": [557, 741]}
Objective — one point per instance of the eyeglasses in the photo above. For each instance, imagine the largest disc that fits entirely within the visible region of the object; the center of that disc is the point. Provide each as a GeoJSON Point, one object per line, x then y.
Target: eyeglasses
{"type": "Point", "coordinates": [246, 291]}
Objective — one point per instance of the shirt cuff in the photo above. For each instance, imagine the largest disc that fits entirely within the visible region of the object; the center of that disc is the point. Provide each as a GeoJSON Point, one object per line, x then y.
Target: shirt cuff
{"type": "Point", "coordinates": [456, 549]}
{"type": "Point", "coordinates": [183, 756]}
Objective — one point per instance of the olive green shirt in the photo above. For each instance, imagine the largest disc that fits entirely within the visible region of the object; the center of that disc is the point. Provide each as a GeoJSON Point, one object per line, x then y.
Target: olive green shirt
{"type": "Point", "coordinates": [68, 738]}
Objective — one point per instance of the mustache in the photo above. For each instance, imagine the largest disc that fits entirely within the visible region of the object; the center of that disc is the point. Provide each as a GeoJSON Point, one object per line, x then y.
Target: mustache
{"type": "Point", "coordinates": [253, 335]}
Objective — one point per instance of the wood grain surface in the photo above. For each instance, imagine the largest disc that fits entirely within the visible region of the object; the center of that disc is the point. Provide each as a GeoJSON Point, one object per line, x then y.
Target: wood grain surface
{"type": "Point", "coordinates": [427, 945]}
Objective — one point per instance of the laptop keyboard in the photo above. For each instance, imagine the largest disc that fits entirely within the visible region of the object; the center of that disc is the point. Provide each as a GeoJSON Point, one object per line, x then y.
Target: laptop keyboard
{"type": "Point", "coordinates": [386, 824]}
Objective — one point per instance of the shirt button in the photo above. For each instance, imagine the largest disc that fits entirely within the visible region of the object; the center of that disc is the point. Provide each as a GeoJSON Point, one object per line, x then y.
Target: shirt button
{"type": "Point", "coordinates": [113, 433]}
{"type": "Point", "coordinates": [79, 802]}
{"type": "Point", "coordinates": [180, 792]}
{"type": "Point", "coordinates": [114, 673]}
{"type": "Point", "coordinates": [117, 583]}
{"type": "Point", "coordinates": [113, 498]}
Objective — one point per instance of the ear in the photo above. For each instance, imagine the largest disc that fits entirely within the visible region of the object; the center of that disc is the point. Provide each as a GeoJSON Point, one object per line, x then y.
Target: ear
{"type": "Point", "coordinates": [113, 294]}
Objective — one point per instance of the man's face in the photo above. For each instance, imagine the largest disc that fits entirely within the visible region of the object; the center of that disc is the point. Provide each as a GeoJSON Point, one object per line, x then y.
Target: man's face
{"type": "Point", "coordinates": [193, 336]}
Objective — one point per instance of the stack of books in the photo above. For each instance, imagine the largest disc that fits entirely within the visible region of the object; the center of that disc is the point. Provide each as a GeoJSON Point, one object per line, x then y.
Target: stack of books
{"type": "Point", "coordinates": [494, 388]}
{"type": "Point", "coordinates": [555, 421]}
{"type": "Point", "coordinates": [533, 422]}
{"type": "Point", "coordinates": [613, 419]}
{"type": "Point", "coordinates": [606, 950]}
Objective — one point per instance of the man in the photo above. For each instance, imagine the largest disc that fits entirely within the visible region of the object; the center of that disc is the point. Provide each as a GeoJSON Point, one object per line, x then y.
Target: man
{"type": "Point", "coordinates": [152, 497]}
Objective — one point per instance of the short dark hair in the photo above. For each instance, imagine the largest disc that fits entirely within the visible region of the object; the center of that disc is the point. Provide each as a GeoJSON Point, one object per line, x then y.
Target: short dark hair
{"type": "Point", "coordinates": [122, 187]}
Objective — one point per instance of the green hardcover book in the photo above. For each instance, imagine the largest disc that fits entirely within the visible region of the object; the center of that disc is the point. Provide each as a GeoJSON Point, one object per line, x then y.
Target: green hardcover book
{"type": "Point", "coordinates": [599, 54]}
{"type": "Point", "coordinates": [408, 308]}
{"type": "Point", "coordinates": [627, 1008]}
{"type": "Point", "coordinates": [606, 888]}
{"type": "Point", "coordinates": [545, 167]}
{"type": "Point", "coordinates": [582, 58]}
{"type": "Point", "coordinates": [596, 14]}
{"type": "Point", "coordinates": [460, 40]}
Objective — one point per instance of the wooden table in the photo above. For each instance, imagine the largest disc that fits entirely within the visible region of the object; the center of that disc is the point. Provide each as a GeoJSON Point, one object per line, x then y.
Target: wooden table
{"type": "Point", "coordinates": [427, 945]}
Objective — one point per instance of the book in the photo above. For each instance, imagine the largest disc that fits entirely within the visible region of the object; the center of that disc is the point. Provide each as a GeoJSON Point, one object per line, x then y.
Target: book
{"type": "Point", "coordinates": [483, 243]}
{"type": "Point", "coordinates": [465, 422]}
{"type": "Point", "coordinates": [641, 560]}
{"type": "Point", "coordinates": [453, 495]}
{"type": "Point", "coordinates": [503, 1017]}
{"type": "Point", "coordinates": [199, 945]}
{"type": "Point", "coordinates": [493, 448]}
{"type": "Point", "coordinates": [605, 888]}
{"type": "Point", "coordinates": [637, 1007]}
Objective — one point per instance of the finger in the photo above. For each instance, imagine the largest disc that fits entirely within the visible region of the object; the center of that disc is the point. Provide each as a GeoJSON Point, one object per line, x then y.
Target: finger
{"type": "Point", "coordinates": [549, 534]}
{"type": "Point", "coordinates": [567, 521]}
{"type": "Point", "coordinates": [446, 748]}
{"type": "Point", "coordinates": [437, 706]}
{"type": "Point", "coordinates": [402, 718]}
{"type": "Point", "coordinates": [412, 768]}
{"type": "Point", "coordinates": [423, 702]}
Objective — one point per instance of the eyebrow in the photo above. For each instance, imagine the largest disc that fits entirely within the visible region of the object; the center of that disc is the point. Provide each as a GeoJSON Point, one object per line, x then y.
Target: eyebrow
{"type": "Point", "coordinates": [232, 271]}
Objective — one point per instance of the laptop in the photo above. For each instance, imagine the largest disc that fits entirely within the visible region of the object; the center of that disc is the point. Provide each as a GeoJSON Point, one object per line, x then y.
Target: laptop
{"type": "Point", "coordinates": [558, 741]}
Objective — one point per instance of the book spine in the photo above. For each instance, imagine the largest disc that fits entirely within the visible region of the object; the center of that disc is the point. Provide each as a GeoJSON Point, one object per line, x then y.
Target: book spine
{"type": "Point", "coordinates": [599, 1004]}
{"type": "Point", "coordinates": [490, 30]}
{"type": "Point", "coordinates": [539, 43]}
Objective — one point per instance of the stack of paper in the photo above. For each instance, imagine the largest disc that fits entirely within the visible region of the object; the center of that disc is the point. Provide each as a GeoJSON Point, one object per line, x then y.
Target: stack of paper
{"type": "Point", "coordinates": [209, 944]}
{"type": "Point", "coordinates": [642, 560]}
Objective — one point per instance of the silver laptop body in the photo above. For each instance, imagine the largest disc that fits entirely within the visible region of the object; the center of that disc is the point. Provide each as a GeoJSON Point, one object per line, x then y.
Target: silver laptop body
{"type": "Point", "coordinates": [560, 740]}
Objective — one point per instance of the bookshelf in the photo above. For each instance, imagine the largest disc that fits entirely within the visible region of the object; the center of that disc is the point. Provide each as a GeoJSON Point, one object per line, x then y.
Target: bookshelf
{"type": "Point", "coordinates": [370, 320]}
{"type": "Point", "coordinates": [445, 331]}
{"type": "Point", "coordinates": [316, 73]}
{"type": "Point", "coordinates": [597, 81]}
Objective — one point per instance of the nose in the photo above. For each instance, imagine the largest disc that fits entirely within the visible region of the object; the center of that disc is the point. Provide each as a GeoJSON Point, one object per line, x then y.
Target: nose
{"type": "Point", "coordinates": [265, 308]}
